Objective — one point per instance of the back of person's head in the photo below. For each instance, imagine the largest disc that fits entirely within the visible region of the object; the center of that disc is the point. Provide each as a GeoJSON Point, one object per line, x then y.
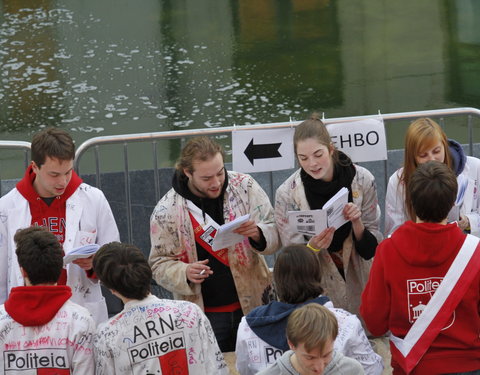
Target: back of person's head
{"type": "Point", "coordinates": [297, 274]}
{"type": "Point", "coordinates": [53, 143]}
{"type": "Point", "coordinates": [312, 325]}
{"type": "Point", "coordinates": [433, 190]}
{"type": "Point", "coordinates": [197, 149]}
{"type": "Point", "coordinates": [123, 268]}
{"type": "Point", "coordinates": [40, 254]}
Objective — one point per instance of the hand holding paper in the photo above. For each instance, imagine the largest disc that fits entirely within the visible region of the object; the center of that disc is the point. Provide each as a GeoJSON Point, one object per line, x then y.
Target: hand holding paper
{"type": "Point", "coordinates": [313, 222]}
{"type": "Point", "coordinates": [80, 253]}
{"type": "Point", "coordinates": [226, 235]}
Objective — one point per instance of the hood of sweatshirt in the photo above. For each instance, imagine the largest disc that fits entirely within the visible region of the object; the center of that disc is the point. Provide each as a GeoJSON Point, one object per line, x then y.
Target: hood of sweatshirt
{"type": "Point", "coordinates": [269, 322]}
{"type": "Point", "coordinates": [25, 186]}
{"type": "Point", "coordinates": [36, 305]}
{"type": "Point", "coordinates": [430, 244]}
{"type": "Point", "coordinates": [213, 207]}
{"type": "Point", "coordinates": [458, 156]}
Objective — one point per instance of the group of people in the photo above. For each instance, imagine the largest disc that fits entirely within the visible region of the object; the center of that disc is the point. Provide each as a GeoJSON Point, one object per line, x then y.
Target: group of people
{"type": "Point", "coordinates": [310, 317]}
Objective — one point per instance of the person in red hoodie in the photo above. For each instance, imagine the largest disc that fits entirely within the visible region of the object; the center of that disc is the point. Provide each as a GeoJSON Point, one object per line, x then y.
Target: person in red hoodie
{"type": "Point", "coordinates": [52, 195]}
{"type": "Point", "coordinates": [424, 285]}
{"type": "Point", "coordinates": [41, 330]}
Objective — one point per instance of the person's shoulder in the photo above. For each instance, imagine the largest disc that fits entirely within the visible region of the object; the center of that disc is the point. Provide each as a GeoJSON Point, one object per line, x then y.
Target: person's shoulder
{"type": "Point", "coordinates": [85, 189]}
{"type": "Point", "coordinates": [291, 181]}
{"type": "Point", "coordinates": [11, 198]}
{"type": "Point", "coordinates": [76, 313]}
{"type": "Point", "coordinates": [363, 173]}
{"type": "Point", "coordinates": [472, 163]}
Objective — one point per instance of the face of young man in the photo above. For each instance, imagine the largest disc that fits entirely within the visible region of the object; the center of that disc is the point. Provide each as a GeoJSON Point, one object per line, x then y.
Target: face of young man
{"type": "Point", "coordinates": [311, 362]}
{"type": "Point", "coordinates": [52, 177]}
{"type": "Point", "coordinates": [207, 178]}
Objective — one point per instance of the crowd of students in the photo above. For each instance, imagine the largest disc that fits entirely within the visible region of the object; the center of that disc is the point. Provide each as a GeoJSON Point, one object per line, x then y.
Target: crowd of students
{"type": "Point", "coordinates": [312, 316]}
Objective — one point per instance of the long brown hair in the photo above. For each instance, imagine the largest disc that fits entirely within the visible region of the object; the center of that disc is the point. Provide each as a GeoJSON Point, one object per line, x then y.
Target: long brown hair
{"type": "Point", "coordinates": [314, 128]}
{"type": "Point", "coordinates": [422, 134]}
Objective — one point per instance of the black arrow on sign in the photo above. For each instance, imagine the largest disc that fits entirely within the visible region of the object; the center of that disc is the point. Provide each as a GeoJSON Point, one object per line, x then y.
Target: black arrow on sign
{"type": "Point", "coordinates": [265, 151]}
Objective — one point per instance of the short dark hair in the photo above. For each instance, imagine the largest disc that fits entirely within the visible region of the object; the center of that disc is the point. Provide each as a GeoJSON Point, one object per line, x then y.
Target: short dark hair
{"type": "Point", "coordinates": [433, 190]}
{"type": "Point", "coordinates": [124, 269]}
{"type": "Point", "coordinates": [297, 274]}
{"type": "Point", "coordinates": [54, 143]}
{"type": "Point", "coordinates": [40, 254]}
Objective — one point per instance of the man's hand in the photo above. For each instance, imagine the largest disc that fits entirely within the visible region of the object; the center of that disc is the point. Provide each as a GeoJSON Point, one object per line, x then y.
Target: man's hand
{"type": "Point", "coordinates": [464, 223]}
{"type": "Point", "coordinates": [249, 229]}
{"type": "Point", "coordinates": [85, 263]}
{"type": "Point", "coordinates": [197, 272]}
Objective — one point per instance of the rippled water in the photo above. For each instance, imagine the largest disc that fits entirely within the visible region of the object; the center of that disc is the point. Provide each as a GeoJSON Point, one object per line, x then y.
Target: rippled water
{"type": "Point", "coordinates": [112, 67]}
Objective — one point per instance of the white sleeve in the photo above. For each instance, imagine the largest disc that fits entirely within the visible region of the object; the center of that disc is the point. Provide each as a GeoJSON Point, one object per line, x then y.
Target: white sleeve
{"type": "Point", "coordinates": [356, 344]}
{"type": "Point", "coordinates": [83, 362]}
{"type": "Point", "coordinates": [104, 363]}
{"type": "Point", "coordinates": [284, 203]}
{"type": "Point", "coordinates": [472, 202]}
{"type": "Point", "coordinates": [395, 214]}
{"type": "Point", "coordinates": [241, 350]}
{"type": "Point", "coordinates": [214, 361]}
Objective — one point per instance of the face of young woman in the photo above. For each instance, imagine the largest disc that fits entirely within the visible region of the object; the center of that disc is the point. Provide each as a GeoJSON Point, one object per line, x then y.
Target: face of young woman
{"type": "Point", "coordinates": [315, 159]}
{"type": "Point", "coordinates": [434, 152]}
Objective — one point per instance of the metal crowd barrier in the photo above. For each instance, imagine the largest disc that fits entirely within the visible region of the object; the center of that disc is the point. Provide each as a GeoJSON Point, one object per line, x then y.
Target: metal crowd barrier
{"type": "Point", "coordinates": [153, 138]}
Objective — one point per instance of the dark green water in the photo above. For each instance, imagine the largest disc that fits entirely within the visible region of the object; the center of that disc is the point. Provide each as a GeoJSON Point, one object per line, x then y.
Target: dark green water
{"type": "Point", "coordinates": [101, 67]}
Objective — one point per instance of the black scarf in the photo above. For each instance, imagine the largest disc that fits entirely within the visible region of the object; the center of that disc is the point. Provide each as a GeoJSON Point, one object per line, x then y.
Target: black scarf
{"type": "Point", "coordinates": [318, 192]}
{"type": "Point", "coordinates": [211, 206]}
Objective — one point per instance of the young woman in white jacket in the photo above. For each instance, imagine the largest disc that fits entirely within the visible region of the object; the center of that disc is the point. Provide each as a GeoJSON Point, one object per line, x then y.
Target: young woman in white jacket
{"type": "Point", "coordinates": [345, 253]}
{"type": "Point", "coordinates": [424, 141]}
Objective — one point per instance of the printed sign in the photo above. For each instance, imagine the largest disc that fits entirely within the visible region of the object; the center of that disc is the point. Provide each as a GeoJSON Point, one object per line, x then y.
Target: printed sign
{"type": "Point", "coordinates": [262, 150]}
{"type": "Point", "coordinates": [362, 140]}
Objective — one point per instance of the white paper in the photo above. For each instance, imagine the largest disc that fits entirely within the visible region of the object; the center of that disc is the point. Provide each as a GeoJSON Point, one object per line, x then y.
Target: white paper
{"type": "Point", "coordinates": [225, 236]}
{"type": "Point", "coordinates": [313, 222]}
{"type": "Point", "coordinates": [310, 222]}
{"type": "Point", "coordinates": [80, 252]}
{"type": "Point", "coordinates": [334, 208]}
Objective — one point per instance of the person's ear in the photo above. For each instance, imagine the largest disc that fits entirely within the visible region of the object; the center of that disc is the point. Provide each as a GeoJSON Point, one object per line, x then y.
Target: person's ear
{"type": "Point", "coordinates": [331, 148]}
{"type": "Point", "coordinates": [23, 272]}
{"type": "Point", "coordinates": [34, 166]}
{"type": "Point", "coordinates": [187, 173]}
{"type": "Point", "coordinates": [290, 345]}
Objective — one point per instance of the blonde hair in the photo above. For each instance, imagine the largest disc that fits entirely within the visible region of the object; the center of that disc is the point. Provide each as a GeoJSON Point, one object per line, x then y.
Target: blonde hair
{"type": "Point", "coordinates": [312, 325]}
{"type": "Point", "coordinates": [422, 134]}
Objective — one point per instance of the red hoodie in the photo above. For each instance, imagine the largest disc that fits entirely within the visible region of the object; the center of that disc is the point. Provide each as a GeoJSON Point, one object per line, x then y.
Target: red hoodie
{"type": "Point", "coordinates": [406, 270]}
{"type": "Point", "coordinates": [36, 305]}
{"type": "Point", "coordinates": [52, 217]}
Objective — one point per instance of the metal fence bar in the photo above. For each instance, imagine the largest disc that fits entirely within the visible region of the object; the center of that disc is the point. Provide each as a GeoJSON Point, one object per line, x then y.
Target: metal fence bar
{"type": "Point", "coordinates": [127, 194]}
{"type": "Point", "coordinates": [139, 137]}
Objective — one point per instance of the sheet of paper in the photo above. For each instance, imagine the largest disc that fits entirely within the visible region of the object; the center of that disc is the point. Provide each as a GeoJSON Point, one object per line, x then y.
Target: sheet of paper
{"type": "Point", "coordinates": [80, 252]}
{"type": "Point", "coordinates": [310, 222]}
{"type": "Point", "coordinates": [225, 236]}
{"type": "Point", "coordinates": [334, 208]}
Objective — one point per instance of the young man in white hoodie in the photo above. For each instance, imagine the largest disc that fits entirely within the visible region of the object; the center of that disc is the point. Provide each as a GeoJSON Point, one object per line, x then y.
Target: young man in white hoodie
{"type": "Point", "coordinates": [150, 335]}
{"type": "Point", "coordinates": [311, 332]}
{"type": "Point", "coordinates": [41, 330]}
